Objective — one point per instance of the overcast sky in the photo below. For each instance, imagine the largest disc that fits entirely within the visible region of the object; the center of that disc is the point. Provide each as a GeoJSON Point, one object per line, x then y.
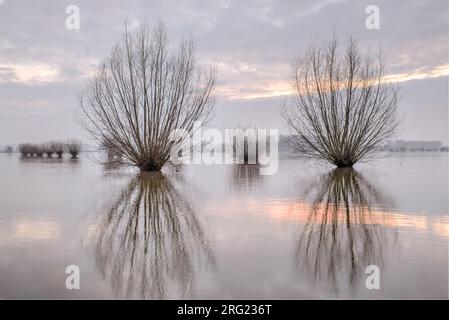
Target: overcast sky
{"type": "Point", "coordinates": [43, 64]}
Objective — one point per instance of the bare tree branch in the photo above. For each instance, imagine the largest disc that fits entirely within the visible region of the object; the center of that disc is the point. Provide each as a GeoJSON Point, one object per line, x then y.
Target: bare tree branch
{"type": "Point", "coordinates": [142, 92]}
{"type": "Point", "coordinates": [343, 111]}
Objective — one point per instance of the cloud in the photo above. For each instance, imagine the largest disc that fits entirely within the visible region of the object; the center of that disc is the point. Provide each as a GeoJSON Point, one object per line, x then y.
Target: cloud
{"type": "Point", "coordinates": [252, 42]}
{"type": "Point", "coordinates": [28, 73]}
{"type": "Point", "coordinates": [419, 74]}
{"type": "Point", "coordinates": [316, 7]}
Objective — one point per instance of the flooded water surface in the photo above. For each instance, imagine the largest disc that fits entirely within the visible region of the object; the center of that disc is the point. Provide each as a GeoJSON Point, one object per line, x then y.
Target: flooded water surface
{"type": "Point", "coordinates": [224, 231]}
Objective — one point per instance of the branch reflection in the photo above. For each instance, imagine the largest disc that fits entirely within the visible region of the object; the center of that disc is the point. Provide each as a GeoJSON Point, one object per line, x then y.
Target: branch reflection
{"type": "Point", "coordinates": [150, 242]}
{"type": "Point", "coordinates": [246, 176]}
{"type": "Point", "coordinates": [343, 233]}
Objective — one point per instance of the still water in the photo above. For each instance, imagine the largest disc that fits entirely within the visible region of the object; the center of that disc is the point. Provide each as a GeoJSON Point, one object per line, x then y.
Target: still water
{"type": "Point", "coordinates": [224, 231]}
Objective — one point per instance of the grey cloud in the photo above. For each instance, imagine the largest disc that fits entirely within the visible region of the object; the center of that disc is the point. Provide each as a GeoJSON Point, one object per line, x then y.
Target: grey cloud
{"type": "Point", "coordinates": [254, 41]}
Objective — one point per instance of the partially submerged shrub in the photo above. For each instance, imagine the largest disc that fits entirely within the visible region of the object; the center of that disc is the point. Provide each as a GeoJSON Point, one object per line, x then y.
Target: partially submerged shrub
{"type": "Point", "coordinates": [34, 149]}
{"type": "Point", "coordinates": [344, 110]}
{"type": "Point", "coordinates": [58, 148]}
{"type": "Point", "coordinates": [47, 149]}
{"type": "Point", "coordinates": [39, 150]}
{"type": "Point", "coordinates": [74, 147]}
{"type": "Point", "coordinates": [142, 93]}
{"type": "Point", "coordinates": [245, 146]}
{"type": "Point", "coordinates": [30, 149]}
{"type": "Point", "coordinates": [25, 149]}
{"type": "Point", "coordinates": [22, 149]}
{"type": "Point", "coordinates": [110, 148]}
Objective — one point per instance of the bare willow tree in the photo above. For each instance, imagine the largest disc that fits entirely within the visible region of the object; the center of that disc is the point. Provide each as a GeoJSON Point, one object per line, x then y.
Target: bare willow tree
{"type": "Point", "coordinates": [245, 145]}
{"type": "Point", "coordinates": [142, 93]}
{"type": "Point", "coordinates": [58, 148]}
{"type": "Point", "coordinates": [26, 149]}
{"type": "Point", "coordinates": [47, 148]}
{"type": "Point", "coordinates": [73, 147]}
{"type": "Point", "coordinates": [344, 110]}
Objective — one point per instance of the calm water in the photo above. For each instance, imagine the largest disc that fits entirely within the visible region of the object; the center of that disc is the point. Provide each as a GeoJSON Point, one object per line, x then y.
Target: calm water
{"type": "Point", "coordinates": [212, 232]}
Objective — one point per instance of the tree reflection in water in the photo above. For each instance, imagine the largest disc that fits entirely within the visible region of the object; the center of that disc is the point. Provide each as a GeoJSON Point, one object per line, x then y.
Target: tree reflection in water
{"type": "Point", "coordinates": [150, 241]}
{"type": "Point", "coordinates": [246, 176]}
{"type": "Point", "coordinates": [343, 234]}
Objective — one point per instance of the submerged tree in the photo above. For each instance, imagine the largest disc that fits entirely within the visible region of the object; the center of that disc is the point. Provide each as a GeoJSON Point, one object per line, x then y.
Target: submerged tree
{"type": "Point", "coordinates": [30, 149]}
{"type": "Point", "coordinates": [39, 150]}
{"type": "Point", "coordinates": [113, 156]}
{"type": "Point", "coordinates": [25, 149]}
{"type": "Point", "coordinates": [142, 93]}
{"type": "Point", "coordinates": [74, 147]}
{"type": "Point", "coordinates": [47, 149]}
{"type": "Point", "coordinates": [58, 148]}
{"type": "Point", "coordinates": [343, 110]}
{"type": "Point", "coordinates": [245, 146]}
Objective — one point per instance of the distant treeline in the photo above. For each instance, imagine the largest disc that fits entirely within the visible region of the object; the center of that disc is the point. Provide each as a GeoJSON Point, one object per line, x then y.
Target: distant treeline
{"type": "Point", "coordinates": [287, 144]}
{"type": "Point", "coordinates": [415, 146]}
{"type": "Point", "coordinates": [48, 149]}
